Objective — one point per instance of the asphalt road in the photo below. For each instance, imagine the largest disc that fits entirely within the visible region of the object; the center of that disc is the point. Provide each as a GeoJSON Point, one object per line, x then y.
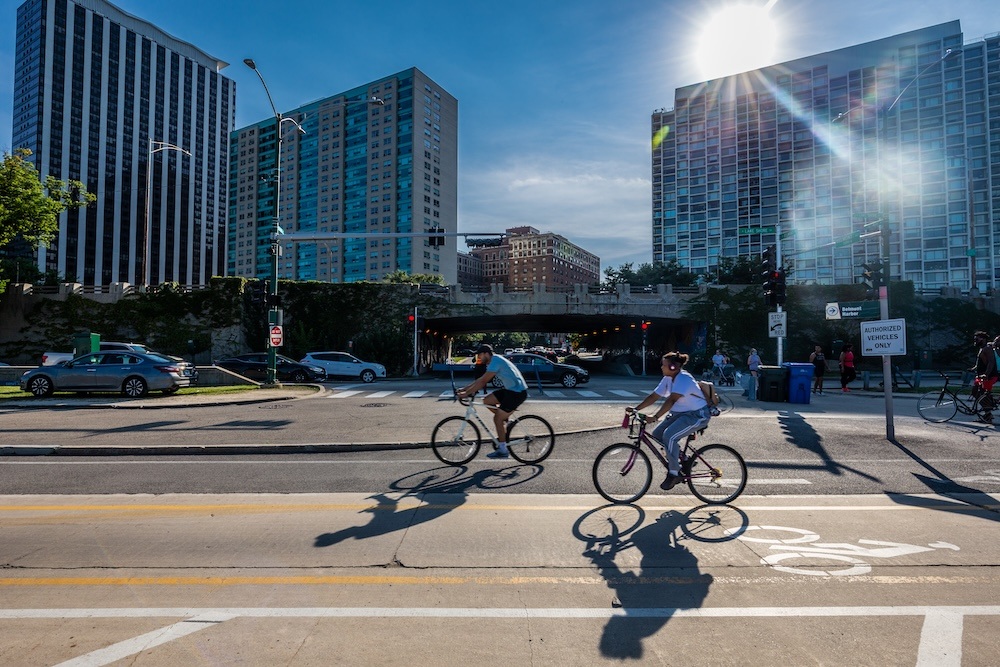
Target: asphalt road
{"type": "Point", "coordinates": [846, 549]}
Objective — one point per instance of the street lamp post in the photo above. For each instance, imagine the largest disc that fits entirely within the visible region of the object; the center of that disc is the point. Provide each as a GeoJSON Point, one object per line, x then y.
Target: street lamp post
{"type": "Point", "coordinates": [154, 147]}
{"type": "Point", "coordinates": [884, 231]}
{"type": "Point", "coordinates": [274, 311]}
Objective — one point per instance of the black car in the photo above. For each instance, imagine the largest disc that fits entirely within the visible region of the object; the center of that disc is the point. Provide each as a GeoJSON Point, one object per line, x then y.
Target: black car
{"type": "Point", "coordinates": [534, 367]}
{"type": "Point", "coordinates": [254, 367]}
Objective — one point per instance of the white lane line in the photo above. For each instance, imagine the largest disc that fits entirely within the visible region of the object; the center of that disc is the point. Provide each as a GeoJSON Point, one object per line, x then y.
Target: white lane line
{"type": "Point", "coordinates": [129, 647]}
{"type": "Point", "coordinates": [622, 392]}
{"type": "Point", "coordinates": [414, 394]}
{"type": "Point", "coordinates": [216, 615]}
{"type": "Point", "coordinates": [446, 394]}
{"type": "Point", "coordinates": [380, 394]}
{"type": "Point", "coordinates": [941, 639]}
{"type": "Point", "coordinates": [346, 394]}
{"type": "Point", "coordinates": [755, 481]}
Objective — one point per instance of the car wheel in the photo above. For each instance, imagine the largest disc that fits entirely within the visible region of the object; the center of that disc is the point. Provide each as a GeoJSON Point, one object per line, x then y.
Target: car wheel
{"type": "Point", "coordinates": [496, 383]}
{"type": "Point", "coordinates": [569, 380]}
{"type": "Point", "coordinates": [368, 375]}
{"type": "Point", "coordinates": [134, 387]}
{"type": "Point", "coordinates": [40, 386]}
{"type": "Point", "coordinates": [300, 376]}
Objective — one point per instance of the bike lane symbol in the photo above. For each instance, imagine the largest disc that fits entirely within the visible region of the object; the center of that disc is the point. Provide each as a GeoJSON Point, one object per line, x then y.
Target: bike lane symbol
{"type": "Point", "coordinates": [806, 545]}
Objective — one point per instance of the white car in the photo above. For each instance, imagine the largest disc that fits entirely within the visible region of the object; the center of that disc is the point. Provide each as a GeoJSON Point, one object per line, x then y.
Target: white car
{"type": "Point", "coordinates": [345, 365]}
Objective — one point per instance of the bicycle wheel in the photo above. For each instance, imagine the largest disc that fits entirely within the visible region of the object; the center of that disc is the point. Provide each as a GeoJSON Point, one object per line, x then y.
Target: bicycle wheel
{"type": "Point", "coordinates": [937, 406]}
{"type": "Point", "coordinates": [718, 474]}
{"type": "Point", "coordinates": [725, 404]}
{"type": "Point", "coordinates": [622, 473]}
{"type": "Point", "coordinates": [530, 439]}
{"type": "Point", "coordinates": [455, 441]}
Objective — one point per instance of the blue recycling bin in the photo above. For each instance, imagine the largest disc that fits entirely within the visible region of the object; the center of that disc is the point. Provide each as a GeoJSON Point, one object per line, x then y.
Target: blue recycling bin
{"type": "Point", "coordinates": [799, 382]}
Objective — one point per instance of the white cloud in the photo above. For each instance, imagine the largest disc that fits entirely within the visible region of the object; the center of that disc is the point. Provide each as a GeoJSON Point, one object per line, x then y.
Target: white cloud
{"type": "Point", "coordinates": [604, 207]}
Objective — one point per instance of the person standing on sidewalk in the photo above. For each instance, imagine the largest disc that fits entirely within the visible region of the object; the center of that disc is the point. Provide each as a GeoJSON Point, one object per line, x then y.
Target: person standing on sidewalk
{"type": "Point", "coordinates": [847, 372]}
{"type": "Point", "coordinates": [818, 360]}
{"type": "Point", "coordinates": [753, 364]}
{"type": "Point", "coordinates": [506, 399]}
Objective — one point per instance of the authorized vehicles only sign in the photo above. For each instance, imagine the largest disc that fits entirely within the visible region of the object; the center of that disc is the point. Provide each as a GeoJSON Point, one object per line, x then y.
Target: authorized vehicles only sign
{"type": "Point", "coordinates": [883, 337]}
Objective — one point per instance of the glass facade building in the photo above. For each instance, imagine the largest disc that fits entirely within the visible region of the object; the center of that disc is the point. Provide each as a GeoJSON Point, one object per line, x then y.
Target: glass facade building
{"type": "Point", "coordinates": [823, 149]}
{"type": "Point", "coordinates": [93, 87]}
{"type": "Point", "coordinates": [358, 168]}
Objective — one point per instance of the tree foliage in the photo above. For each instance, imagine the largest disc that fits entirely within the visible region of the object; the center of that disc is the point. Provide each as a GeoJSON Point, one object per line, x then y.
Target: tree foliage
{"type": "Point", "coordinates": [29, 207]}
{"type": "Point", "coordinates": [660, 273]}
{"type": "Point", "coordinates": [399, 276]}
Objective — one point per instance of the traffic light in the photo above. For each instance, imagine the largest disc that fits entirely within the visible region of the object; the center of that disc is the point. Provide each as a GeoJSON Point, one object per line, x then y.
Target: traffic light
{"type": "Point", "coordinates": [872, 278]}
{"type": "Point", "coordinates": [258, 292]}
{"type": "Point", "coordinates": [645, 331]}
{"type": "Point", "coordinates": [411, 319]}
{"type": "Point", "coordinates": [778, 288]}
{"type": "Point", "coordinates": [767, 267]}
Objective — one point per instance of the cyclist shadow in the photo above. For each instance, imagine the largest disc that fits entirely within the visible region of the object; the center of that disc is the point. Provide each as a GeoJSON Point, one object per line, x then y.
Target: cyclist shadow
{"type": "Point", "coordinates": [668, 580]}
{"type": "Point", "coordinates": [396, 512]}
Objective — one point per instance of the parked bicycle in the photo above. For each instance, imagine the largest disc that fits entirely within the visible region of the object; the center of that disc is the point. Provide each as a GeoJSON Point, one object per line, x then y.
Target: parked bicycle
{"type": "Point", "coordinates": [940, 405]}
{"type": "Point", "coordinates": [715, 474]}
{"type": "Point", "coordinates": [456, 440]}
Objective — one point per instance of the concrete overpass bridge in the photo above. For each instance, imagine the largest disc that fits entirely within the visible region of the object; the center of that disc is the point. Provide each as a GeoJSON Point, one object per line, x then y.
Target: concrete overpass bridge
{"type": "Point", "coordinates": [608, 318]}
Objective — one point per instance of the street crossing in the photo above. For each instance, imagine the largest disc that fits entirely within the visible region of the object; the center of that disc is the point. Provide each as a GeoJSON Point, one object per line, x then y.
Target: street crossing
{"type": "Point", "coordinates": [356, 391]}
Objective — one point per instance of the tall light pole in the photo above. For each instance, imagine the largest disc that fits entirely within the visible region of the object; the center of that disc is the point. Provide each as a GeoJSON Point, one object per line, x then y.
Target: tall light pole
{"type": "Point", "coordinates": [274, 312]}
{"type": "Point", "coordinates": [154, 147]}
{"type": "Point", "coordinates": [884, 232]}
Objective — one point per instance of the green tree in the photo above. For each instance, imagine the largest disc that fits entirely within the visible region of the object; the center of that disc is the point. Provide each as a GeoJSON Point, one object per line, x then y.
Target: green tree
{"type": "Point", "coordinates": [399, 276]}
{"type": "Point", "coordinates": [29, 207]}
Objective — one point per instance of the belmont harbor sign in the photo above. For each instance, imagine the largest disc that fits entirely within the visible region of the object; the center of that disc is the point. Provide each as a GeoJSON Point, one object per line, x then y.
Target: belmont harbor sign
{"type": "Point", "coordinates": [883, 337]}
{"type": "Point", "coordinates": [852, 310]}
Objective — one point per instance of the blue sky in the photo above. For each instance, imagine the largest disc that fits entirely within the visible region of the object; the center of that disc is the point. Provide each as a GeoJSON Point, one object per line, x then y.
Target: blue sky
{"type": "Point", "coordinates": [555, 96]}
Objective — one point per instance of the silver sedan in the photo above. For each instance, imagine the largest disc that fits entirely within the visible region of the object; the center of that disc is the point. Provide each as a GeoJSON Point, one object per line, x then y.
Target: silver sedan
{"type": "Point", "coordinates": [130, 373]}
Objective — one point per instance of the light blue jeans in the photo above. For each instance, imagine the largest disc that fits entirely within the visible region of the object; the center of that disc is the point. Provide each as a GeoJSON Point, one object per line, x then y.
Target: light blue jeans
{"type": "Point", "coordinates": [675, 426]}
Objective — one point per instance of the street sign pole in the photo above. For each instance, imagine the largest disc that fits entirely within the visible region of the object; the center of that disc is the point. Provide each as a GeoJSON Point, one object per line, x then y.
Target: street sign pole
{"type": "Point", "coordinates": [777, 258]}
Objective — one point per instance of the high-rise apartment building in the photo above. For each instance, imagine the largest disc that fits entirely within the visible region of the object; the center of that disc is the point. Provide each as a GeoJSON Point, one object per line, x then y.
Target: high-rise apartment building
{"type": "Point", "coordinates": [526, 257]}
{"type": "Point", "coordinates": [904, 129]}
{"type": "Point", "coordinates": [108, 99]}
{"type": "Point", "coordinates": [358, 168]}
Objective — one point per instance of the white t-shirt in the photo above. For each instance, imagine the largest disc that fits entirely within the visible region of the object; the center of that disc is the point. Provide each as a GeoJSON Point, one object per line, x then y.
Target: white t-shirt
{"type": "Point", "coordinates": [684, 384]}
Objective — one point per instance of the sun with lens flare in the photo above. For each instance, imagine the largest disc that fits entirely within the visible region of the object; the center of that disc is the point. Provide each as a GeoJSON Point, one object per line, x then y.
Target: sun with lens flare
{"type": "Point", "coordinates": [737, 38]}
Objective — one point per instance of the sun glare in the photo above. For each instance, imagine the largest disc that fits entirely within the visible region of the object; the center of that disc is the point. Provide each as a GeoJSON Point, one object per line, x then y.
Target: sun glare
{"type": "Point", "coordinates": [735, 39]}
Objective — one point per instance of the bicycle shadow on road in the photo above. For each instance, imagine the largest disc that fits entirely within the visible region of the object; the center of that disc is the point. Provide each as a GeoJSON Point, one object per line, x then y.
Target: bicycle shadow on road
{"type": "Point", "coordinates": [392, 513]}
{"type": "Point", "coordinates": [668, 577]}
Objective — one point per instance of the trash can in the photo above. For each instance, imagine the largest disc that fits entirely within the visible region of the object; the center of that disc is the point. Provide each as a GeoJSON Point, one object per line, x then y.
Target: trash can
{"type": "Point", "coordinates": [773, 384]}
{"type": "Point", "coordinates": [85, 343]}
{"type": "Point", "coordinates": [799, 382]}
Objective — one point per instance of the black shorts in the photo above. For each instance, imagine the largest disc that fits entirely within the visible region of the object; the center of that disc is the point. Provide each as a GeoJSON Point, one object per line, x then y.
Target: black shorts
{"type": "Point", "coordinates": [508, 400]}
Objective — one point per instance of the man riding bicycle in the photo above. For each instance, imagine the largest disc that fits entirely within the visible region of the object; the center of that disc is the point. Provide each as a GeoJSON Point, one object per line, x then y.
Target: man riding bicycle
{"type": "Point", "coordinates": [506, 400]}
{"type": "Point", "coordinates": [689, 411]}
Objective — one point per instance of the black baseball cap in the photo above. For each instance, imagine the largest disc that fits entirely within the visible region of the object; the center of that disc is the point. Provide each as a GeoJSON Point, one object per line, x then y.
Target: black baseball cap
{"type": "Point", "coordinates": [484, 348]}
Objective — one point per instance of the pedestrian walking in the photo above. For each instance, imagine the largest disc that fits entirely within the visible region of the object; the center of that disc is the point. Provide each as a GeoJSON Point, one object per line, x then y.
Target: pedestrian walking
{"type": "Point", "coordinates": [847, 372]}
{"type": "Point", "coordinates": [753, 364]}
{"type": "Point", "coordinates": [818, 360]}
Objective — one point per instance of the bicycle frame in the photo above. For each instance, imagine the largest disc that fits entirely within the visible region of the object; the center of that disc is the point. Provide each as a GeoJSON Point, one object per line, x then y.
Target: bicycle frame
{"type": "Point", "coordinates": [965, 408]}
{"type": "Point", "coordinates": [642, 437]}
{"type": "Point", "coordinates": [471, 413]}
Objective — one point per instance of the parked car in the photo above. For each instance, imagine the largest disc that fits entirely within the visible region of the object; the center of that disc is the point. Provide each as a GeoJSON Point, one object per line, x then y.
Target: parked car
{"type": "Point", "coordinates": [343, 364]}
{"type": "Point", "coordinates": [53, 358]}
{"type": "Point", "coordinates": [133, 374]}
{"type": "Point", "coordinates": [534, 366]}
{"type": "Point", "coordinates": [254, 367]}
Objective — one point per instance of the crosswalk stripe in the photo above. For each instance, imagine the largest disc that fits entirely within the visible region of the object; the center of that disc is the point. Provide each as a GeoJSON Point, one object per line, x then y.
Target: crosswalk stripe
{"type": "Point", "coordinates": [381, 394]}
{"type": "Point", "coordinates": [345, 394]}
{"type": "Point", "coordinates": [588, 394]}
{"type": "Point", "coordinates": [555, 393]}
{"type": "Point", "coordinates": [622, 392]}
{"type": "Point", "coordinates": [414, 394]}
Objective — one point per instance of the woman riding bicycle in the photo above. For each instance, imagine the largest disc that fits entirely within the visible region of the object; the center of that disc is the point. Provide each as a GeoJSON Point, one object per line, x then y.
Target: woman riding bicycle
{"type": "Point", "coordinates": [689, 411]}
